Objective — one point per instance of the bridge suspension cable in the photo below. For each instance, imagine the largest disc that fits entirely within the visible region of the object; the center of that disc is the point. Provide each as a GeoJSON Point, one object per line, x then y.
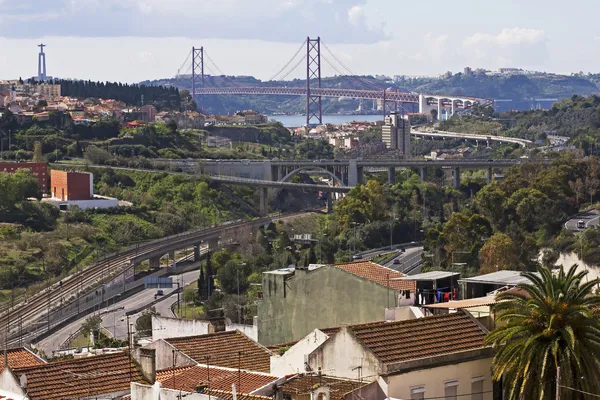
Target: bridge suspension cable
{"type": "Point", "coordinates": [293, 68]}
{"type": "Point", "coordinates": [183, 65]}
{"type": "Point", "coordinates": [302, 46]}
{"type": "Point", "coordinates": [353, 76]}
{"type": "Point", "coordinates": [225, 77]}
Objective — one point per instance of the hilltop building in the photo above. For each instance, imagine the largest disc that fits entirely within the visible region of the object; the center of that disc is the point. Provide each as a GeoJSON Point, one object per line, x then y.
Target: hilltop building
{"type": "Point", "coordinates": [71, 188]}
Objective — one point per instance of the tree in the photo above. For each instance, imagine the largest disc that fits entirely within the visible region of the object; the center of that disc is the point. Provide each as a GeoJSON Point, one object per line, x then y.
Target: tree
{"type": "Point", "coordinates": [548, 323]}
{"type": "Point", "coordinates": [232, 274]}
{"type": "Point", "coordinates": [91, 324]}
{"type": "Point", "coordinates": [202, 290]}
{"type": "Point", "coordinates": [578, 188]}
{"type": "Point", "coordinates": [498, 253]}
{"type": "Point", "coordinates": [172, 125]}
{"type": "Point", "coordinates": [38, 155]}
{"type": "Point", "coordinates": [96, 155]}
{"type": "Point", "coordinates": [434, 114]}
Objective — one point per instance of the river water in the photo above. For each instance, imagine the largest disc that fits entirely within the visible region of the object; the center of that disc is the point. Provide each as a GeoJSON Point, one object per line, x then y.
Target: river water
{"type": "Point", "coordinates": [293, 121]}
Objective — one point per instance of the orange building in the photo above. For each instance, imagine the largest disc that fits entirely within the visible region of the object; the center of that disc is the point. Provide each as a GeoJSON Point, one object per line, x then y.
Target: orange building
{"type": "Point", "coordinates": [39, 170]}
{"type": "Point", "coordinates": [67, 185]}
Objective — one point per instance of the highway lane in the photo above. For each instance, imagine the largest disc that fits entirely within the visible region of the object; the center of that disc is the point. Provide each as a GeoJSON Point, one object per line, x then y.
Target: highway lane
{"type": "Point", "coordinates": [590, 219]}
{"type": "Point", "coordinates": [407, 259]}
{"type": "Point", "coordinates": [115, 320]}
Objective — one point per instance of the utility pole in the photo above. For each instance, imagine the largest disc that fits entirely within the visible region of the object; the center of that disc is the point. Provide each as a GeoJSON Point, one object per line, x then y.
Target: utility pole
{"type": "Point", "coordinates": [557, 383]}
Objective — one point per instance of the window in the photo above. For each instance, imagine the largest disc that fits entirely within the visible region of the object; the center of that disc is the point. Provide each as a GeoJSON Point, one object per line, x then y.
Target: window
{"type": "Point", "coordinates": [451, 390]}
{"type": "Point", "coordinates": [477, 388]}
{"type": "Point", "coordinates": [417, 393]}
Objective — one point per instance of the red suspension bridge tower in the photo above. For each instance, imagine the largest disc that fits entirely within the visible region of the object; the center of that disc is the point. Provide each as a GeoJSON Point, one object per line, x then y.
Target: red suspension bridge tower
{"type": "Point", "coordinates": [313, 79]}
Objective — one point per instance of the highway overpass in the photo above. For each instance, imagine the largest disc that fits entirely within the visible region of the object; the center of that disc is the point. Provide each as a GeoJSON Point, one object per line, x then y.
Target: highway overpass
{"type": "Point", "coordinates": [470, 136]}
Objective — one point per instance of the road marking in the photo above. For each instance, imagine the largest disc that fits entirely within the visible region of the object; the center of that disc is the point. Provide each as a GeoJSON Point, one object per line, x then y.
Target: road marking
{"type": "Point", "coordinates": [588, 223]}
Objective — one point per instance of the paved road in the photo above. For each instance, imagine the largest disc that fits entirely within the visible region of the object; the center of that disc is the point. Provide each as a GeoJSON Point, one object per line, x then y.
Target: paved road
{"type": "Point", "coordinates": [590, 218]}
{"type": "Point", "coordinates": [407, 259]}
{"type": "Point", "coordinates": [115, 320]}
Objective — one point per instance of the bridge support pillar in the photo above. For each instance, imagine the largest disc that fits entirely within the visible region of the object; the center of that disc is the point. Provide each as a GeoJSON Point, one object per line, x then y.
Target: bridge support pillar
{"type": "Point", "coordinates": [352, 173]}
{"type": "Point", "coordinates": [423, 174]}
{"type": "Point", "coordinates": [213, 244]}
{"type": "Point", "coordinates": [452, 109]}
{"type": "Point", "coordinates": [329, 203]}
{"type": "Point", "coordinates": [264, 201]}
{"type": "Point", "coordinates": [155, 263]}
{"type": "Point", "coordinates": [392, 176]}
{"type": "Point", "coordinates": [171, 255]}
{"type": "Point", "coordinates": [456, 173]}
{"type": "Point", "coordinates": [440, 109]}
{"type": "Point", "coordinates": [490, 175]}
{"type": "Point", "coordinates": [197, 252]}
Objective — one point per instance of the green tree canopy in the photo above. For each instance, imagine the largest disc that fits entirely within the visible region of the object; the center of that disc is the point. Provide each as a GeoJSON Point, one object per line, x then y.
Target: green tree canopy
{"type": "Point", "coordinates": [549, 323]}
{"type": "Point", "coordinates": [498, 253]}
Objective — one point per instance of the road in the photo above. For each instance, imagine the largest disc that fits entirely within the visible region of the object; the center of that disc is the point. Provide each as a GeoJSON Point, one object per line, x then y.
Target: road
{"type": "Point", "coordinates": [590, 218]}
{"type": "Point", "coordinates": [115, 320]}
{"type": "Point", "coordinates": [407, 259]}
{"type": "Point", "coordinates": [483, 138]}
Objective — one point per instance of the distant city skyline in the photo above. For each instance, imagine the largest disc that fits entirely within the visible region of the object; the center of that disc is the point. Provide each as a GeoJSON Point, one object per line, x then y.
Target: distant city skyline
{"type": "Point", "coordinates": [135, 40]}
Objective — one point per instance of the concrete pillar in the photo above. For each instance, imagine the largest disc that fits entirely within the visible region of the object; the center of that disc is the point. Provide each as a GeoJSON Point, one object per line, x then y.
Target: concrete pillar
{"type": "Point", "coordinates": [422, 104]}
{"type": "Point", "coordinates": [360, 175]}
{"type": "Point", "coordinates": [213, 244]}
{"type": "Point", "coordinates": [197, 252]}
{"type": "Point", "coordinates": [268, 171]}
{"type": "Point", "coordinates": [490, 175]}
{"type": "Point", "coordinates": [391, 175]}
{"type": "Point", "coordinates": [329, 203]}
{"type": "Point", "coordinates": [452, 112]}
{"type": "Point", "coordinates": [171, 255]}
{"type": "Point", "coordinates": [440, 109]}
{"type": "Point", "coordinates": [423, 174]}
{"type": "Point", "coordinates": [456, 177]}
{"type": "Point", "coordinates": [264, 201]}
{"type": "Point", "coordinates": [352, 173]}
{"type": "Point", "coordinates": [155, 263]}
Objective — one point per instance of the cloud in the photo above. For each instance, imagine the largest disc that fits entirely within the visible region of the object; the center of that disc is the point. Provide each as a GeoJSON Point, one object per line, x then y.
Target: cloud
{"type": "Point", "coordinates": [270, 20]}
{"type": "Point", "coordinates": [515, 46]}
{"type": "Point", "coordinates": [356, 15]}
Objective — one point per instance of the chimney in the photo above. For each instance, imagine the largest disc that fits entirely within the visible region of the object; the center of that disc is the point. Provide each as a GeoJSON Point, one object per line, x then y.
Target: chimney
{"type": "Point", "coordinates": [146, 358]}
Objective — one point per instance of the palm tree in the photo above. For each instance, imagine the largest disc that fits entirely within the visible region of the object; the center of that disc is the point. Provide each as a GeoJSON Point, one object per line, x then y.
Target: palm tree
{"type": "Point", "coordinates": [551, 322]}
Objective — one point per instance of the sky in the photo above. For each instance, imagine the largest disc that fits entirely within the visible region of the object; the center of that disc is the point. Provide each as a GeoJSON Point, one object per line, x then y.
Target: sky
{"type": "Point", "coordinates": [135, 40]}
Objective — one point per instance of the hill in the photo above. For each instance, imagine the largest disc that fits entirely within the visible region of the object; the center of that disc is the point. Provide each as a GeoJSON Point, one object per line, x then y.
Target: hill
{"type": "Point", "coordinates": [515, 87]}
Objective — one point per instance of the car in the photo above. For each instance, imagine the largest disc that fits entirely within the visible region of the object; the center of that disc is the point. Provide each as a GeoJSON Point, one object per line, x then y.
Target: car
{"type": "Point", "coordinates": [580, 224]}
{"type": "Point", "coordinates": [357, 257]}
{"type": "Point", "coordinates": [159, 292]}
{"type": "Point", "coordinates": [396, 261]}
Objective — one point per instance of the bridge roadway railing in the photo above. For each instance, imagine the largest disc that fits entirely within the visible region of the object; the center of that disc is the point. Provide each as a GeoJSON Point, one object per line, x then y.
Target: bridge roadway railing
{"type": "Point", "coordinates": [277, 184]}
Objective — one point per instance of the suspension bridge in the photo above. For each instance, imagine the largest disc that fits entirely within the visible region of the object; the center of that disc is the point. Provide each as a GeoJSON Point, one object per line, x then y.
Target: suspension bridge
{"type": "Point", "coordinates": [310, 54]}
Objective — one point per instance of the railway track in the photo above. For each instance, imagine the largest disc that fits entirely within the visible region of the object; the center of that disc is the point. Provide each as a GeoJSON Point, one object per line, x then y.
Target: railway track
{"type": "Point", "coordinates": [24, 318]}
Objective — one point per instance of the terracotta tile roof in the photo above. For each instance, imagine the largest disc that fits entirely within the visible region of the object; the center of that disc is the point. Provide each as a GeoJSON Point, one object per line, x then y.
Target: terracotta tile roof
{"type": "Point", "coordinates": [224, 350]}
{"type": "Point", "coordinates": [398, 341]}
{"type": "Point", "coordinates": [378, 274]}
{"type": "Point", "coordinates": [20, 357]}
{"type": "Point", "coordinates": [224, 395]}
{"type": "Point", "coordinates": [189, 377]}
{"type": "Point", "coordinates": [108, 373]}
{"type": "Point", "coordinates": [303, 384]}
